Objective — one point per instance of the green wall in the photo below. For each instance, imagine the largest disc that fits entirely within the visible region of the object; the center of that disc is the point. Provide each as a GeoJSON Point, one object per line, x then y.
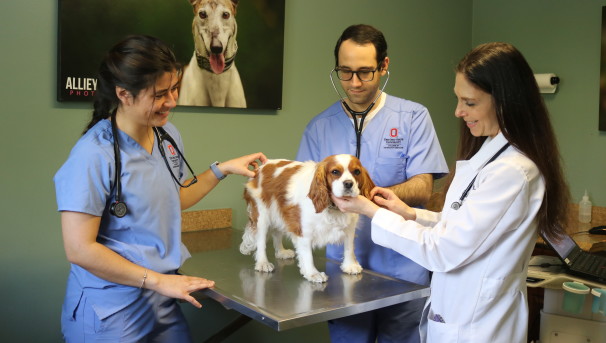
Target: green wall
{"type": "Point", "coordinates": [426, 39]}
{"type": "Point", "coordinates": [561, 37]}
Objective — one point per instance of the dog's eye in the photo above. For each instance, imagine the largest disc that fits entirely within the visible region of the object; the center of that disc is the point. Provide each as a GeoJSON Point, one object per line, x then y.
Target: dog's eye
{"type": "Point", "coordinates": [335, 172]}
{"type": "Point", "coordinates": [226, 15]}
{"type": "Point", "coordinates": [203, 15]}
{"type": "Point", "coordinates": [357, 172]}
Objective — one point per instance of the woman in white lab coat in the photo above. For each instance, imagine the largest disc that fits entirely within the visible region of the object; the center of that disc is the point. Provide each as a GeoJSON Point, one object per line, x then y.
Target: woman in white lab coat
{"type": "Point", "coordinates": [507, 187]}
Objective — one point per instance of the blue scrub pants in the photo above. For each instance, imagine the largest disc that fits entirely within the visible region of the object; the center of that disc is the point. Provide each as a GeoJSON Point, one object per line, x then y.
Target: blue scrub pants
{"type": "Point", "coordinates": [398, 323]}
{"type": "Point", "coordinates": [151, 318]}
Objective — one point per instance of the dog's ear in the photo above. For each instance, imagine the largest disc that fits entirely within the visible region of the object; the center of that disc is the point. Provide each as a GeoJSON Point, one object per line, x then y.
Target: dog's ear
{"type": "Point", "coordinates": [235, 4]}
{"type": "Point", "coordinates": [319, 192]}
{"type": "Point", "coordinates": [252, 210]}
{"type": "Point", "coordinates": [366, 184]}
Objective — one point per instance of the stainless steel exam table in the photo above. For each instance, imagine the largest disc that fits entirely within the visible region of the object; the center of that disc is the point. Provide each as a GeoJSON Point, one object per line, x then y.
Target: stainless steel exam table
{"type": "Point", "coordinates": [283, 299]}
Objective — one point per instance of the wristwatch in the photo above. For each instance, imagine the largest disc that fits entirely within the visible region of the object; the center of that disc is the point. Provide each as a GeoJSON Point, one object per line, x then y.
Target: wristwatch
{"type": "Point", "coordinates": [217, 171]}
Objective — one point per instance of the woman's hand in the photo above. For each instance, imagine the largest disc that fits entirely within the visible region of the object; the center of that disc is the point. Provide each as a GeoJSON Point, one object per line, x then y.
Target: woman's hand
{"type": "Point", "coordinates": [242, 165]}
{"type": "Point", "coordinates": [245, 165]}
{"type": "Point", "coordinates": [359, 204]}
{"type": "Point", "coordinates": [80, 231]}
{"type": "Point", "coordinates": [177, 286]}
{"type": "Point", "coordinates": [386, 198]}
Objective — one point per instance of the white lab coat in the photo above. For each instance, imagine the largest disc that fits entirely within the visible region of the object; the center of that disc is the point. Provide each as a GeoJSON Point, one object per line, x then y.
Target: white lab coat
{"type": "Point", "coordinates": [479, 253]}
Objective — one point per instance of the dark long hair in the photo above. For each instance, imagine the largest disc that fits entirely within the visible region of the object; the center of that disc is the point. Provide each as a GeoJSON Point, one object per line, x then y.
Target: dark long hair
{"type": "Point", "coordinates": [135, 63]}
{"type": "Point", "coordinates": [364, 34]}
{"type": "Point", "coordinates": [500, 70]}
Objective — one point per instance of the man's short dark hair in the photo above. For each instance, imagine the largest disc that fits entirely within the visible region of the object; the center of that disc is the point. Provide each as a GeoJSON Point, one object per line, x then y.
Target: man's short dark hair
{"type": "Point", "coordinates": [364, 34]}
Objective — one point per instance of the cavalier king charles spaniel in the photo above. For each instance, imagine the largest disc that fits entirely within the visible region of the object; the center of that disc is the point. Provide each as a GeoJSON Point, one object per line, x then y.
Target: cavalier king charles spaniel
{"type": "Point", "coordinates": [293, 198]}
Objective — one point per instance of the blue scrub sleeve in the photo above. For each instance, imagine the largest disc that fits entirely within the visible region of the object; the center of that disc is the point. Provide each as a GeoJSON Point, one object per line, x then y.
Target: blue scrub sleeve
{"type": "Point", "coordinates": [424, 153]}
{"type": "Point", "coordinates": [308, 147]}
{"type": "Point", "coordinates": [84, 182]}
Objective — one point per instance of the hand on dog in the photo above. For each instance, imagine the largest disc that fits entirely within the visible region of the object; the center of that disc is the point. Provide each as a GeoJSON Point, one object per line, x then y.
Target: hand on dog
{"type": "Point", "coordinates": [386, 198]}
{"type": "Point", "coordinates": [359, 204]}
{"type": "Point", "coordinates": [242, 165]}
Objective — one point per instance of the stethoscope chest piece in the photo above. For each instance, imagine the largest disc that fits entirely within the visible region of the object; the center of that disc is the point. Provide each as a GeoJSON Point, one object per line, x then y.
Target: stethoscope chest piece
{"type": "Point", "coordinates": [118, 209]}
{"type": "Point", "coordinates": [455, 205]}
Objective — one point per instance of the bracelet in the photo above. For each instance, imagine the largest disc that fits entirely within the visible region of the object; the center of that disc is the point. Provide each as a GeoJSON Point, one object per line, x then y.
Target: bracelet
{"type": "Point", "coordinates": [144, 278]}
{"type": "Point", "coordinates": [217, 171]}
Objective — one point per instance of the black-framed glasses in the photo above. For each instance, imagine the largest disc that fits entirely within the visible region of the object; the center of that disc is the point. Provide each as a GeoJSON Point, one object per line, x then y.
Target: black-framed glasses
{"type": "Point", "coordinates": [162, 136]}
{"type": "Point", "coordinates": [363, 75]}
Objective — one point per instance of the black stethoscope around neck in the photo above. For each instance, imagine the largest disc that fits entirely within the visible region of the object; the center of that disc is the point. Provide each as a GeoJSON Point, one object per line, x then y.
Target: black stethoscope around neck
{"type": "Point", "coordinates": [118, 208]}
{"type": "Point", "coordinates": [354, 114]}
{"type": "Point", "coordinates": [457, 204]}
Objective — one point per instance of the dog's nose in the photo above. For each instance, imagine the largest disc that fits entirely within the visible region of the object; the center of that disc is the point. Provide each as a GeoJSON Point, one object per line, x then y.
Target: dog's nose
{"type": "Point", "coordinates": [216, 47]}
{"type": "Point", "coordinates": [348, 184]}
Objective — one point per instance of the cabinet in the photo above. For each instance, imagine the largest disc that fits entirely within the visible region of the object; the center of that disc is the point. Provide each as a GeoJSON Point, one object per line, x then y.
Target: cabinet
{"type": "Point", "coordinates": [556, 324]}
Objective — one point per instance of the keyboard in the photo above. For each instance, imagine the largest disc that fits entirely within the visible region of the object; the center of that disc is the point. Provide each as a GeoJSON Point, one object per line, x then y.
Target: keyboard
{"type": "Point", "coordinates": [588, 264]}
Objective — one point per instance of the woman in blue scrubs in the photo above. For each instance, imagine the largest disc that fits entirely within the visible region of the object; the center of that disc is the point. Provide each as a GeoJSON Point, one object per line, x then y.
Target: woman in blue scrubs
{"type": "Point", "coordinates": [123, 283]}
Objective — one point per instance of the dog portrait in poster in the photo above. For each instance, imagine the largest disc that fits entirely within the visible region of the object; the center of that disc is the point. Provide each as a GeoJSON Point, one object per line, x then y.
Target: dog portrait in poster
{"type": "Point", "coordinates": [205, 36]}
{"type": "Point", "coordinates": [211, 78]}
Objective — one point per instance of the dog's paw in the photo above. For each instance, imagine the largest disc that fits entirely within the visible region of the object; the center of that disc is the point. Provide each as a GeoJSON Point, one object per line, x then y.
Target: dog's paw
{"type": "Point", "coordinates": [247, 249]}
{"type": "Point", "coordinates": [351, 268]}
{"type": "Point", "coordinates": [317, 277]}
{"type": "Point", "coordinates": [285, 254]}
{"type": "Point", "coordinates": [249, 242]}
{"type": "Point", "coordinates": [266, 267]}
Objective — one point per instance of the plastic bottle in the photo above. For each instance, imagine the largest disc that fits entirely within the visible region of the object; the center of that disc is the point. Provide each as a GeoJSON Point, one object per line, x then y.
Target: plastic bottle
{"type": "Point", "coordinates": [585, 209]}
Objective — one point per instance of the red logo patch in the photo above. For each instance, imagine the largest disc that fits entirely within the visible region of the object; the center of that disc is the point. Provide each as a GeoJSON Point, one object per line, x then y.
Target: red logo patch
{"type": "Point", "coordinates": [393, 132]}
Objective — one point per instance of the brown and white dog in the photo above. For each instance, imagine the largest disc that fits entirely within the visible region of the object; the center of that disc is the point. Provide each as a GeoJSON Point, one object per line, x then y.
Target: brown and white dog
{"type": "Point", "coordinates": [211, 77]}
{"type": "Point", "coordinates": [293, 198]}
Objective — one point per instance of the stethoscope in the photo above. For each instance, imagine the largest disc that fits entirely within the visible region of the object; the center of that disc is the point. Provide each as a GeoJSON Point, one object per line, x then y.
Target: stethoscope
{"type": "Point", "coordinates": [118, 208]}
{"type": "Point", "coordinates": [355, 114]}
{"type": "Point", "coordinates": [457, 204]}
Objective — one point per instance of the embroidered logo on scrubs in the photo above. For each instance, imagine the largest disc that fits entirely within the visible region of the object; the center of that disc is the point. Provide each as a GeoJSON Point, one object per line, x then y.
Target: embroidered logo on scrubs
{"type": "Point", "coordinates": [174, 159]}
{"type": "Point", "coordinates": [171, 149]}
{"type": "Point", "coordinates": [393, 141]}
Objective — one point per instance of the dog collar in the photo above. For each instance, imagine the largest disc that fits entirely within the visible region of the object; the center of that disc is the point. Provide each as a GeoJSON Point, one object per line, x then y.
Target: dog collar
{"type": "Point", "coordinates": [204, 63]}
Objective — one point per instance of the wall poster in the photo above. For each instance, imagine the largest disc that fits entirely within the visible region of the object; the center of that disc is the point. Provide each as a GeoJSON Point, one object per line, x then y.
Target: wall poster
{"type": "Point", "coordinates": [235, 47]}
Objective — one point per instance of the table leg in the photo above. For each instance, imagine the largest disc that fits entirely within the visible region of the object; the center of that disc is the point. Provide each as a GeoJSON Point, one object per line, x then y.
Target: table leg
{"type": "Point", "coordinates": [232, 327]}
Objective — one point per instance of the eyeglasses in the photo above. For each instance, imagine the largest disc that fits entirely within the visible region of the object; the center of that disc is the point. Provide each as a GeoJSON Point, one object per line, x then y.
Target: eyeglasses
{"type": "Point", "coordinates": [162, 136]}
{"type": "Point", "coordinates": [363, 75]}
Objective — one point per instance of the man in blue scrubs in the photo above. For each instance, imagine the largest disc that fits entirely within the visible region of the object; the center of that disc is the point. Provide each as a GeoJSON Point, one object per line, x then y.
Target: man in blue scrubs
{"type": "Point", "coordinates": [396, 141]}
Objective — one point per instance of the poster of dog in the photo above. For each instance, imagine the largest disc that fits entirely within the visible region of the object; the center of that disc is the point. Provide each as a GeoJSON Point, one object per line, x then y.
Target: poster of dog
{"type": "Point", "coordinates": [226, 63]}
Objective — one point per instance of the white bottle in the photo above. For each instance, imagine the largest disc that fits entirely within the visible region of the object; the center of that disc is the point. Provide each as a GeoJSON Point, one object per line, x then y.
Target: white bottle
{"type": "Point", "coordinates": [585, 209]}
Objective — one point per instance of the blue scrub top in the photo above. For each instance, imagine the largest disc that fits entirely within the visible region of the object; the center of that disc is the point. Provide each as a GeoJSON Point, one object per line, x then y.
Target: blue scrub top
{"type": "Point", "coordinates": [150, 233]}
{"type": "Point", "coordinates": [398, 143]}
